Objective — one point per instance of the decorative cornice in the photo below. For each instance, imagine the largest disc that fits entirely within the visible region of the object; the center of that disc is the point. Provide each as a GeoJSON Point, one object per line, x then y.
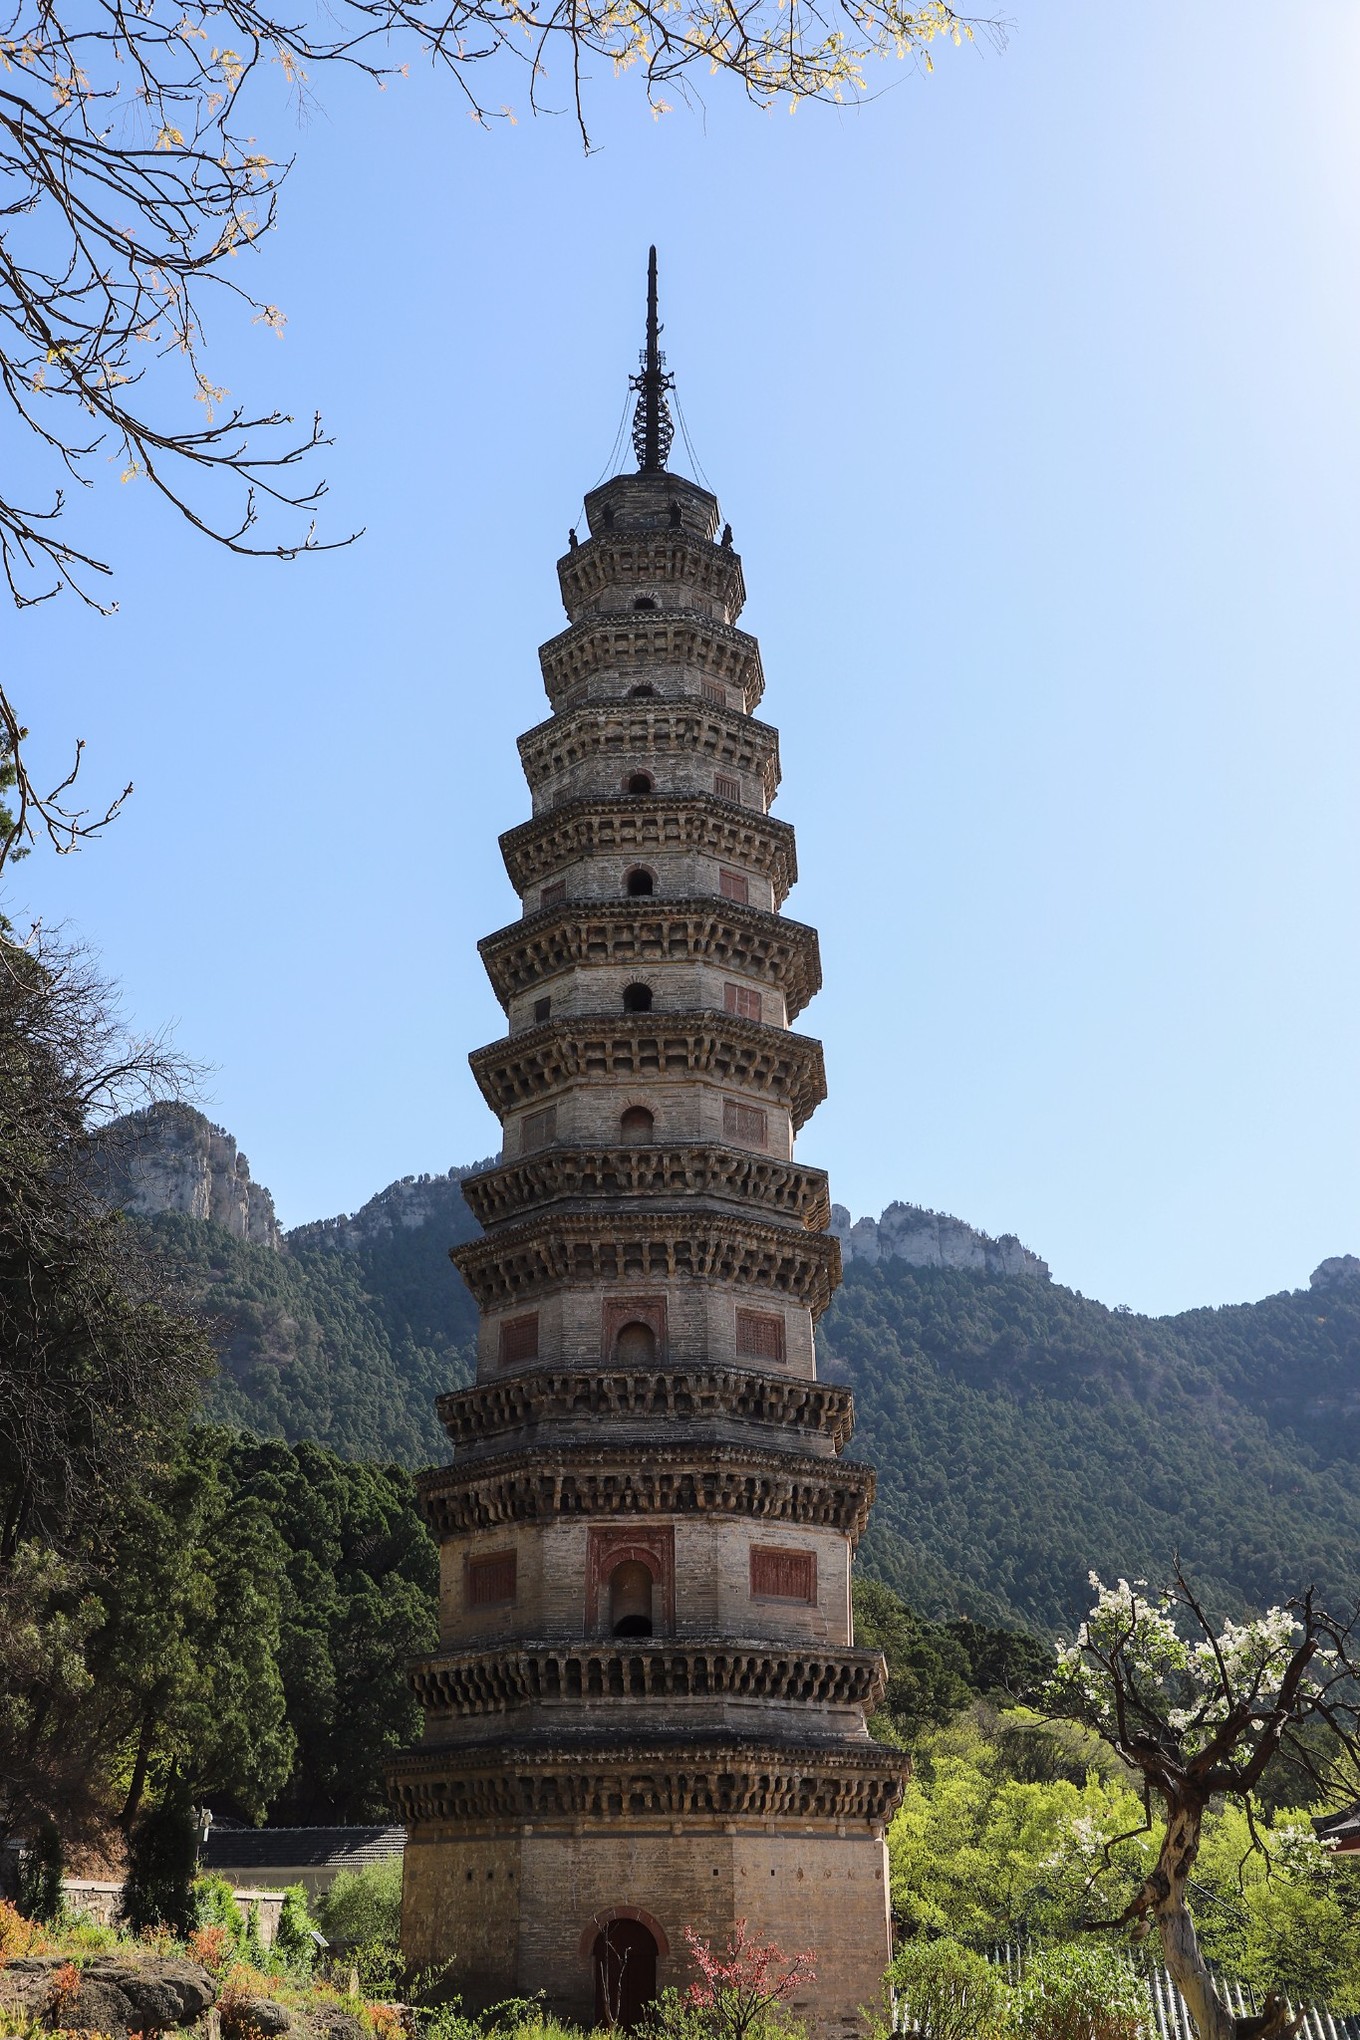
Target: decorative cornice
{"type": "Point", "coordinates": [689, 1777]}
{"type": "Point", "coordinates": [648, 825]}
{"type": "Point", "coordinates": [822, 1410]}
{"type": "Point", "coordinates": [562, 1174]}
{"type": "Point", "coordinates": [640, 1246]}
{"type": "Point", "coordinates": [631, 731]}
{"type": "Point", "coordinates": [638, 559]}
{"type": "Point", "coordinates": [634, 641]}
{"type": "Point", "coordinates": [647, 934]}
{"type": "Point", "coordinates": [708, 1668]}
{"type": "Point", "coordinates": [613, 1048]}
{"type": "Point", "coordinates": [549, 1482]}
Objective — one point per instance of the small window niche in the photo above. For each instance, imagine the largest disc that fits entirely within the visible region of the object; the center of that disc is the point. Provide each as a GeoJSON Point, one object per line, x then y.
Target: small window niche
{"type": "Point", "coordinates": [640, 883]}
{"type": "Point", "coordinates": [727, 786]}
{"type": "Point", "coordinates": [630, 1599]}
{"type": "Point", "coordinates": [637, 1125]}
{"type": "Point", "coordinates": [734, 885]}
{"type": "Point", "coordinates": [639, 782]}
{"type": "Point", "coordinates": [542, 1011]}
{"type": "Point", "coordinates": [644, 602]}
{"type": "Point", "coordinates": [637, 998]}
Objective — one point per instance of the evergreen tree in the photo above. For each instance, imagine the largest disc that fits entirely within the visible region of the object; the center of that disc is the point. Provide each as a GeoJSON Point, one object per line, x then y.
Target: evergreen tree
{"type": "Point", "coordinates": [162, 1856]}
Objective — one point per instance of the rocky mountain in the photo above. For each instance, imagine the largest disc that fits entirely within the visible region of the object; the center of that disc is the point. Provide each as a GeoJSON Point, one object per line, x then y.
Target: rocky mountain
{"type": "Point", "coordinates": [1022, 1433]}
{"type": "Point", "coordinates": [170, 1158]}
{"type": "Point", "coordinates": [930, 1239]}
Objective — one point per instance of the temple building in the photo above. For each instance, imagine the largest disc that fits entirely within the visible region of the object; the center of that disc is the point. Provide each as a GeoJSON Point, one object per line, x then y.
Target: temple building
{"type": "Point", "coordinates": [647, 1712]}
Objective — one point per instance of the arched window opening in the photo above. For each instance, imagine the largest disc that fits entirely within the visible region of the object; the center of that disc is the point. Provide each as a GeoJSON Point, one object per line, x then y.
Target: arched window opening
{"type": "Point", "coordinates": [625, 1975]}
{"type": "Point", "coordinates": [637, 998]}
{"type": "Point", "coordinates": [639, 883]}
{"type": "Point", "coordinates": [637, 1123]}
{"type": "Point", "coordinates": [630, 1599]}
{"type": "Point", "coordinates": [635, 1345]}
{"type": "Point", "coordinates": [646, 692]}
{"type": "Point", "coordinates": [643, 602]}
{"type": "Point", "coordinates": [638, 782]}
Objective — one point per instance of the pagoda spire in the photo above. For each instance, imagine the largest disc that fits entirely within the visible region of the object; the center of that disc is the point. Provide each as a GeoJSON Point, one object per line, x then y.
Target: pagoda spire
{"type": "Point", "coordinates": [653, 427]}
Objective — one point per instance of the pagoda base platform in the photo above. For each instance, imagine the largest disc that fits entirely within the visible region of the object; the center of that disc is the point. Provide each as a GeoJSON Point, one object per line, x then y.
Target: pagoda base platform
{"type": "Point", "coordinates": [515, 1911]}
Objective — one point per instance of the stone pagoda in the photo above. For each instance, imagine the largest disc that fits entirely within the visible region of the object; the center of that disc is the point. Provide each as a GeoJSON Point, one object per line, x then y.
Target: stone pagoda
{"type": "Point", "coordinates": [647, 1712]}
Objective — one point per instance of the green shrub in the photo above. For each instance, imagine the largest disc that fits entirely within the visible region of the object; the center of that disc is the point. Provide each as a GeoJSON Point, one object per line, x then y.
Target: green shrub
{"type": "Point", "coordinates": [293, 1943]}
{"type": "Point", "coordinates": [363, 1906]}
{"type": "Point", "coordinates": [215, 1906]}
{"type": "Point", "coordinates": [1079, 1991]}
{"type": "Point", "coordinates": [949, 1992]}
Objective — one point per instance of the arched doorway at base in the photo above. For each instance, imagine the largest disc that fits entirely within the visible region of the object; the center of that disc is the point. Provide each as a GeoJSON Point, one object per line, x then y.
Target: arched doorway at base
{"type": "Point", "coordinates": [624, 1955]}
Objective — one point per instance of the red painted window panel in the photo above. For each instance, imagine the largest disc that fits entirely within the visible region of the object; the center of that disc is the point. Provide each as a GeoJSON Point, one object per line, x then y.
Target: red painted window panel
{"type": "Point", "coordinates": [519, 1339]}
{"type": "Point", "coordinates": [779, 1575]}
{"type": "Point", "coordinates": [726, 787]}
{"type": "Point", "coordinates": [744, 1001]}
{"type": "Point", "coordinates": [491, 1581]}
{"type": "Point", "coordinates": [734, 885]}
{"type": "Point", "coordinates": [747, 1124]}
{"type": "Point", "coordinates": [760, 1336]}
{"type": "Point", "coordinates": [537, 1129]}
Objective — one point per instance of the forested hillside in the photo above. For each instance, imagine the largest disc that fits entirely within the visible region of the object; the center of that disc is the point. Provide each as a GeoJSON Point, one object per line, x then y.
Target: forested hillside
{"type": "Point", "coordinates": [1021, 1432]}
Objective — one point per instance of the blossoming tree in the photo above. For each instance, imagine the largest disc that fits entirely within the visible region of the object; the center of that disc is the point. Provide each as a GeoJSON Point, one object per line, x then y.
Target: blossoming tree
{"type": "Point", "coordinates": [1200, 1710]}
{"type": "Point", "coordinates": [741, 1986]}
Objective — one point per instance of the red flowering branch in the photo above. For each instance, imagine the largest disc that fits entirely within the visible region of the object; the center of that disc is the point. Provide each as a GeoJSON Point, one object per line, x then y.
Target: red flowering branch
{"type": "Point", "coordinates": [738, 1987]}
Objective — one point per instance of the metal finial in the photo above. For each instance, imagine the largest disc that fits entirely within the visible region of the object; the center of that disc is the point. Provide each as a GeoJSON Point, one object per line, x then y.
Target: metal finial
{"type": "Point", "coordinates": [653, 427]}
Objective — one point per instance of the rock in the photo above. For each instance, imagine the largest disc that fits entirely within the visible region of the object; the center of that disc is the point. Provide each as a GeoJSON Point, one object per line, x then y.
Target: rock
{"type": "Point", "coordinates": [170, 1158]}
{"type": "Point", "coordinates": [116, 1996]}
{"type": "Point", "coordinates": [931, 1239]}
{"type": "Point", "coordinates": [242, 2015]}
{"type": "Point", "coordinates": [1341, 1272]}
{"type": "Point", "coordinates": [328, 2022]}
{"type": "Point", "coordinates": [96, 2007]}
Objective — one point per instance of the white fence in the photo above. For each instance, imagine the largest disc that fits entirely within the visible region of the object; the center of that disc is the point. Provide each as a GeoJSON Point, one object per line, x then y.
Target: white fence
{"type": "Point", "coordinates": [1169, 2017]}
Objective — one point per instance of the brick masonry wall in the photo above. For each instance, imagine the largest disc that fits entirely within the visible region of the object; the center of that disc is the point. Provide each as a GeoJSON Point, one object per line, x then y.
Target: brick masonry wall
{"type": "Point", "coordinates": [522, 1910]}
{"type": "Point", "coordinates": [712, 1583]}
{"type": "Point", "coordinates": [701, 1320]}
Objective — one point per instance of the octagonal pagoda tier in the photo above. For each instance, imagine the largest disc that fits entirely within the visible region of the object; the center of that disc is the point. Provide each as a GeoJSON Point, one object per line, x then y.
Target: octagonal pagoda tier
{"type": "Point", "coordinates": [647, 1711]}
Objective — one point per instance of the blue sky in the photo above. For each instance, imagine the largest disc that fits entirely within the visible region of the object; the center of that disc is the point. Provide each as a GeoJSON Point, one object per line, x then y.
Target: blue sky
{"type": "Point", "coordinates": [1031, 392]}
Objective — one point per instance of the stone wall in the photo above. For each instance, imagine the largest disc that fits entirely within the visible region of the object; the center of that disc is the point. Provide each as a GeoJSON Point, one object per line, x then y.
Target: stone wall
{"type": "Point", "coordinates": [931, 1239]}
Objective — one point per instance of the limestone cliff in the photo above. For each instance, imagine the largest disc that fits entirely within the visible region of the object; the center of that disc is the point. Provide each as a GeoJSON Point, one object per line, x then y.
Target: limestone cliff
{"type": "Point", "coordinates": [403, 1207]}
{"type": "Point", "coordinates": [171, 1158]}
{"type": "Point", "coordinates": [931, 1239]}
{"type": "Point", "coordinates": [1342, 1271]}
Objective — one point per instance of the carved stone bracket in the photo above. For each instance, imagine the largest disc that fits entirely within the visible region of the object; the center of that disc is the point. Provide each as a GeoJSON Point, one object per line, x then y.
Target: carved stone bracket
{"type": "Point", "coordinates": [557, 1174]}
{"type": "Point", "coordinates": [676, 637]}
{"type": "Point", "coordinates": [639, 1246]}
{"type": "Point", "coordinates": [646, 825]}
{"type": "Point", "coordinates": [820, 1410]}
{"type": "Point", "coordinates": [531, 1675]}
{"type": "Point", "coordinates": [745, 1055]}
{"type": "Point", "coordinates": [546, 1483]}
{"type": "Point", "coordinates": [633, 730]}
{"type": "Point", "coordinates": [637, 934]}
{"type": "Point", "coordinates": [640, 1781]}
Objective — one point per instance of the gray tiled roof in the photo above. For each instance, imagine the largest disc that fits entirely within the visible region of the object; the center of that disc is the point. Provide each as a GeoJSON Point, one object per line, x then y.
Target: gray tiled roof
{"type": "Point", "coordinates": [1335, 1826]}
{"type": "Point", "coordinates": [301, 1848]}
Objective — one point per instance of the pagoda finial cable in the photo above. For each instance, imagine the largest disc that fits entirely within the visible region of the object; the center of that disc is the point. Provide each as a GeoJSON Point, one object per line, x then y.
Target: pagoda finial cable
{"type": "Point", "coordinates": [653, 427]}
